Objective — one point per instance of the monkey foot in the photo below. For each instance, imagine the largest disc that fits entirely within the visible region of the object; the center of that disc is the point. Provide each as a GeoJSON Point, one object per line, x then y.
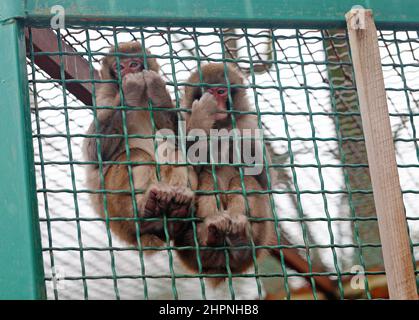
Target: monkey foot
{"type": "Point", "coordinates": [181, 201]}
{"type": "Point", "coordinates": [216, 228]}
{"type": "Point", "coordinates": [157, 200]}
{"type": "Point", "coordinates": [239, 233]}
{"type": "Point", "coordinates": [234, 232]}
{"type": "Point", "coordinates": [179, 208]}
{"type": "Point", "coordinates": [222, 227]}
{"type": "Point", "coordinates": [174, 201]}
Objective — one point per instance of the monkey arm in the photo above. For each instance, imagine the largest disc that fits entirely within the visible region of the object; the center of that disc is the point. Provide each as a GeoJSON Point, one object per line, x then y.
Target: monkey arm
{"type": "Point", "coordinates": [258, 147]}
{"type": "Point", "coordinates": [109, 124]}
{"type": "Point", "coordinates": [202, 116]}
{"type": "Point", "coordinates": [109, 121]}
{"type": "Point", "coordinates": [160, 98]}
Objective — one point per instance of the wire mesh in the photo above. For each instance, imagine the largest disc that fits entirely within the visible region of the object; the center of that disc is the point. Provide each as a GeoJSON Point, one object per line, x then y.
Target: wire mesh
{"type": "Point", "coordinates": [302, 88]}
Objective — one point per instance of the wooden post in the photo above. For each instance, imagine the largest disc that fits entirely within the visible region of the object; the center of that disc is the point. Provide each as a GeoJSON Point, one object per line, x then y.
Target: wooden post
{"type": "Point", "coordinates": [381, 155]}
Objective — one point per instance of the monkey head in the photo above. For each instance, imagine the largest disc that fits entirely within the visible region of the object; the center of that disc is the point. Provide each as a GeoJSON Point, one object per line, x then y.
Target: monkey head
{"type": "Point", "coordinates": [127, 64]}
{"type": "Point", "coordinates": [213, 73]}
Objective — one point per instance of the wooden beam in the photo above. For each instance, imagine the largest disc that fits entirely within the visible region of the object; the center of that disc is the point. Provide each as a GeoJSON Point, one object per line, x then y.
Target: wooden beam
{"type": "Point", "coordinates": [75, 66]}
{"type": "Point", "coordinates": [381, 155]}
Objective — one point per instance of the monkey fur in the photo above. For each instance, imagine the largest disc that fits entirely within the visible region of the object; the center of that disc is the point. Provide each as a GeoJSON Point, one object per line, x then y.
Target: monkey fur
{"type": "Point", "coordinates": [230, 224]}
{"type": "Point", "coordinates": [172, 195]}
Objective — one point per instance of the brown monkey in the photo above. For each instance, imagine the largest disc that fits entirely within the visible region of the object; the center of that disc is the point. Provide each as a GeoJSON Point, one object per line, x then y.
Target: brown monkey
{"type": "Point", "coordinates": [172, 195]}
{"type": "Point", "coordinates": [229, 223]}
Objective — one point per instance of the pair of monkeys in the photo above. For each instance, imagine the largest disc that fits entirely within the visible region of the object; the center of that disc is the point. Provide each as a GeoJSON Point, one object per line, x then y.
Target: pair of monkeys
{"type": "Point", "coordinates": [226, 222]}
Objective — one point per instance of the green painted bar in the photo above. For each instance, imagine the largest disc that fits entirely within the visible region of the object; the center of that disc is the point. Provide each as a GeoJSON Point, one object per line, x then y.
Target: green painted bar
{"type": "Point", "coordinates": [22, 275]}
{"type": "Point", "coordinates": [238, 13]}
{"type": "Point", "coordinates": [11, 9]}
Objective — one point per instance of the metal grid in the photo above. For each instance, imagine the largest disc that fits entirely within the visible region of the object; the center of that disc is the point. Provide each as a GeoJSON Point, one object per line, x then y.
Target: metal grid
{"type": "Point", "coordinates": [301, 85]}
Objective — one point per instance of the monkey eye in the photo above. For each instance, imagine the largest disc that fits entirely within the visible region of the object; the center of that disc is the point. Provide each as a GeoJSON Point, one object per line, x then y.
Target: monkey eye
{"type": "Point", "coordinates": [221, 91]}
{"type": "Point", "coordinates": [115, 67]}
{"type": "Point", "coordinates": [134, 64]}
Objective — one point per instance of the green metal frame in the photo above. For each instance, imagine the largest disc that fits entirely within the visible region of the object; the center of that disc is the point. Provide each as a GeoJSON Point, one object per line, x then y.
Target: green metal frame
{"type": "Point", "coordinates": [252, 13]}
{"type": "Point", "coordinates": [21, 275]}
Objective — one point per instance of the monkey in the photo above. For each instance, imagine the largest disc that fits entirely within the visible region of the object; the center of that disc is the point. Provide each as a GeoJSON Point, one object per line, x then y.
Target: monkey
{"type": "Point", "coordinates": [230, 222]}
{"type": "Point", "coordinates": [171, 195]}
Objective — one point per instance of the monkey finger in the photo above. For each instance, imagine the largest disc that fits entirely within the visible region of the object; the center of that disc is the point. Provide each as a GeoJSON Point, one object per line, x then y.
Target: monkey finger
{"type": "Point", "coordinates": [208, 99]}
{"type": "Point", "coordinates": [153, 79]}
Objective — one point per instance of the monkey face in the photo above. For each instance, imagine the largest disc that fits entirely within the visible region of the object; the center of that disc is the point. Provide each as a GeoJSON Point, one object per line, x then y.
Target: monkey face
{"type": "Point", "coordinates": [221, 96]}
{"type": "Point", "coordinates": [214, 74]}
{"type": "Point", "coordinates": [220, 93]}
{"type": "Point", "coordinates": [128, 65]}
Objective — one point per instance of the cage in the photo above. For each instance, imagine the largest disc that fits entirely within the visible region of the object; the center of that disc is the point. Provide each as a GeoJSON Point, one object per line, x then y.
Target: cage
{"type": "Point", "coordinates": [301, 79]}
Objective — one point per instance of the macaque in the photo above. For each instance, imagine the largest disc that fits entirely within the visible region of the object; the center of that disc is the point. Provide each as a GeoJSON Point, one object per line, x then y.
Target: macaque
{"type": "Point", "coordinates": [172, 194]}
{"type": "Point", "coordinates": [230, 223]}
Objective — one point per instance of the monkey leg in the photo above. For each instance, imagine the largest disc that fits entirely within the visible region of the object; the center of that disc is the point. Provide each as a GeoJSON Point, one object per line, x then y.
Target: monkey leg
{"type": "Point", "coordinates": [231, 226]}
{"type": "Point", "coordinates": [121, 204]}
{"type": "Point", "coordinates": [182, 180]}
{"type": "Point", "coordinates": [227, 225]}
{"type": "Point", "coordinates": [153, 203]}
{"type": "Point", "coordinates": [160, 97]}
{"type": "Point", "coordinates": [211, 232]}
{"type": "Point", "coordinates": [243, 233]}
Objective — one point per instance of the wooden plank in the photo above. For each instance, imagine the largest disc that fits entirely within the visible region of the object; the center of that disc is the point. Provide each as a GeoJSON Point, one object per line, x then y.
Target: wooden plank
{"type": "Point", "coordinates": [381, 154]}
{"type": "Point", "coordinates": [76, 67]}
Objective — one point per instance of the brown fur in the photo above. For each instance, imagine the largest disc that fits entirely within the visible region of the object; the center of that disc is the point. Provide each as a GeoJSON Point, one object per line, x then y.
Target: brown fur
{"type": "Point", "coordinates": [228, 223]}
{"type": "Point", "coordinates": [172, 195]}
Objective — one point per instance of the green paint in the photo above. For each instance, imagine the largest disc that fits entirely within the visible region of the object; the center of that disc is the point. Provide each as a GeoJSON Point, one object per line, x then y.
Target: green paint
{"type": "Point", "coordinates": [249, 13]}
{"type": "Point", "coordinates": [21, 275]}
{"type": "Point", "coordinates": [10, 9]}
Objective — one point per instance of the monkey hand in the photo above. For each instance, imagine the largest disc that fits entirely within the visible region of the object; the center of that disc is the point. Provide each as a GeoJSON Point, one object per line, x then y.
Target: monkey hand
{"type": "Point", "coordinates": [154, 82]}
{"type": "Point", "coordinates": [156, 89]}
{"type": "Point", "coordinates": [203, 113]}
{"type": "Point", "coordinates": [133, 87]}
